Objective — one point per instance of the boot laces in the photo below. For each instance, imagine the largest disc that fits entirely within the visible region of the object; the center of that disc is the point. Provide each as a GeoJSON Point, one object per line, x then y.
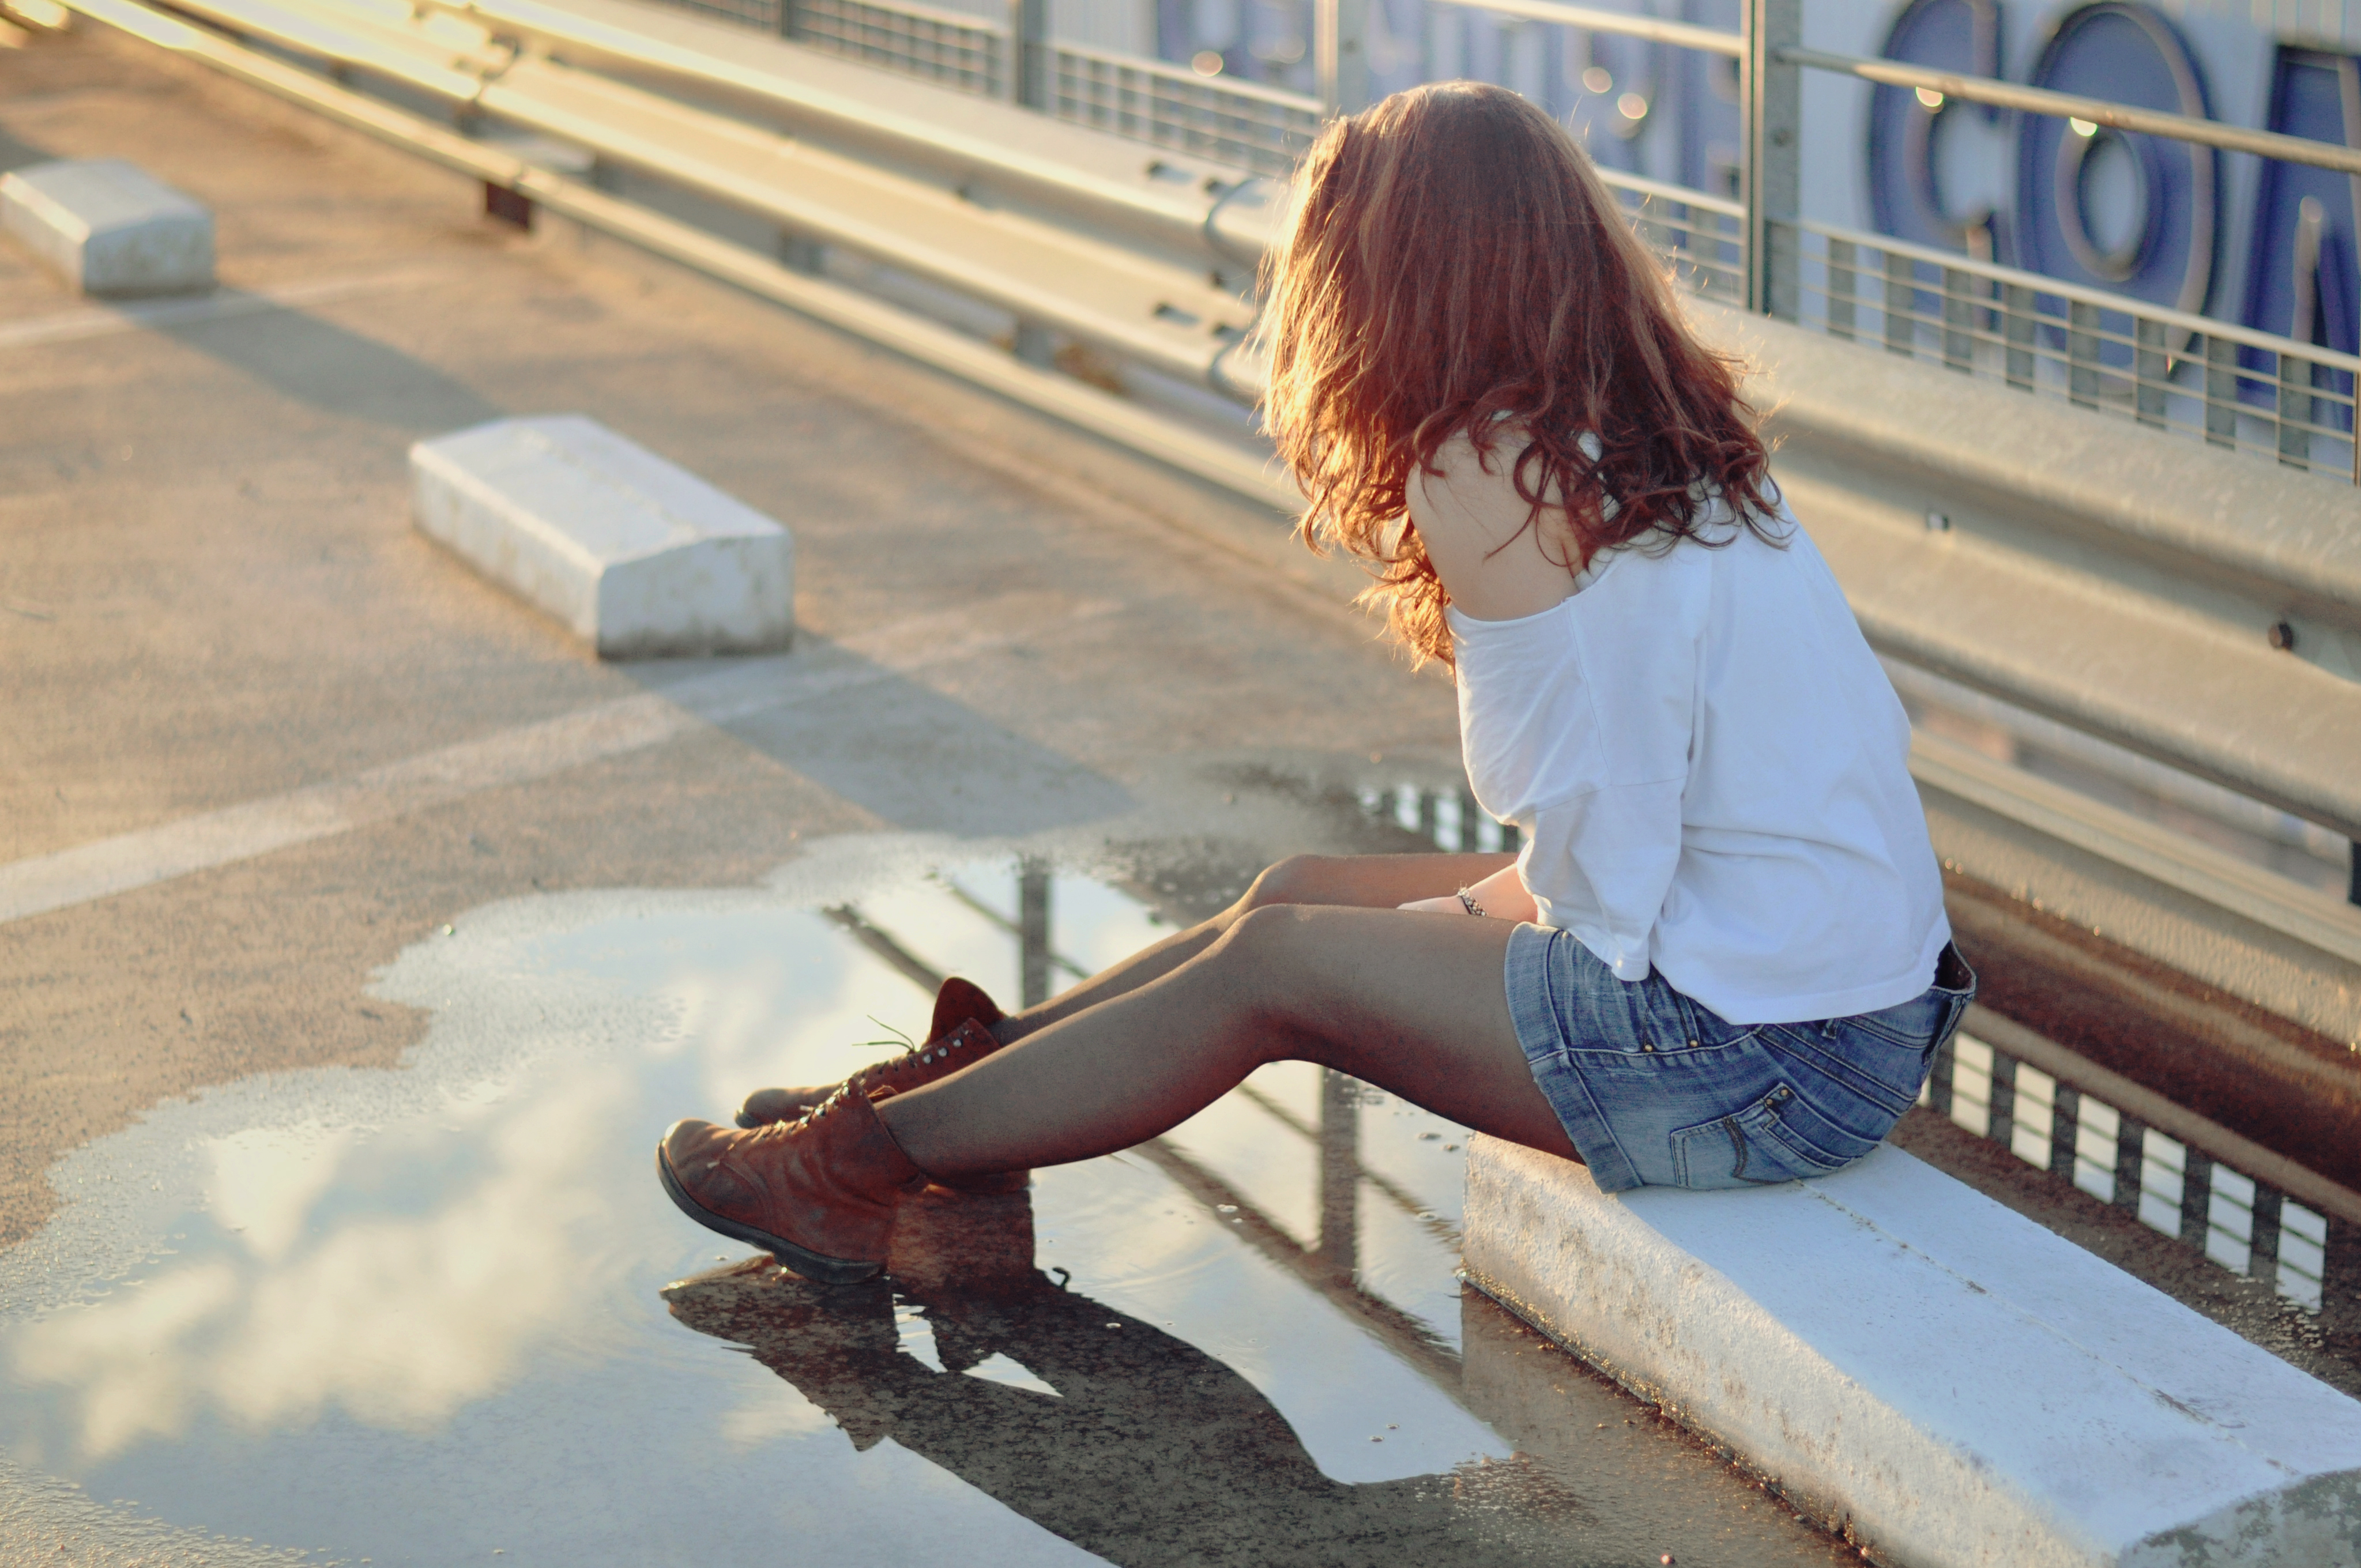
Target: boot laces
{"type": "Point", "coordinates": [779, 1131]}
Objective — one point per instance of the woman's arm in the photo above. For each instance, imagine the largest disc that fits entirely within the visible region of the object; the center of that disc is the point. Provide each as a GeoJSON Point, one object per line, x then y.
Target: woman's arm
{"type": "Point", "coordinates": [1500, 896]}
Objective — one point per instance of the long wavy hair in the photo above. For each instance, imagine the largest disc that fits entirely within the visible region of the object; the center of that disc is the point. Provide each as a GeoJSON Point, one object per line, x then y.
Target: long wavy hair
{"type": "Point", "coordinates": [1453, 265]}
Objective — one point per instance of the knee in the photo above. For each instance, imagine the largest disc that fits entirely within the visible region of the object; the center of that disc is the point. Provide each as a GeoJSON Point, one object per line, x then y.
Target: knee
{"type": "Point", "coordinates": [1262, 974]}
{"type": "Point", "coordinates": [1256, 937]}
{"type": "Point", "coordinates": [1295, 880]}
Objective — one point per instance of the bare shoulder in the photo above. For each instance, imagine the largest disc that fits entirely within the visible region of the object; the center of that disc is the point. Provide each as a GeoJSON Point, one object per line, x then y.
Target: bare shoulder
{"type": "Point", "coordinates": [1467, 487]}
{"type": "Point", "coordinates": [1495, 559]}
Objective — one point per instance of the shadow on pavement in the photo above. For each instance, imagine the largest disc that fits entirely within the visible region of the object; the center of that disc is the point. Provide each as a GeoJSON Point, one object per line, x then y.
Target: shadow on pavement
{"type": "Point", "coordinates": [1148, 1452]}
{"type": "Point", "coordinates": [335, 371]}
{"type": "Point", "coordinates": [15, 154]}
{"type": "Point", "coordinates": [878, 736]}
{"type": "Point", "coordinates": [928, 763]}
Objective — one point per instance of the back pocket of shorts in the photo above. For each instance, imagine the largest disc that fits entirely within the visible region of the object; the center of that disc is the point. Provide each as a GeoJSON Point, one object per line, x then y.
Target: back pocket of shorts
{"type": "Point", "coordinates": [1777, 1138]}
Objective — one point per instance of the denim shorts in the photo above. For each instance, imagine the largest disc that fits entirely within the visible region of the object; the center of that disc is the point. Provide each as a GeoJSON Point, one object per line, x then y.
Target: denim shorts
{"type": "Point", "coordinates": [1659, 1090]}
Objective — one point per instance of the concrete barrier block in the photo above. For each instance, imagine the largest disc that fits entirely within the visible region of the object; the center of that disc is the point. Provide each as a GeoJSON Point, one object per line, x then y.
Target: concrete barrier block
{"type": "Point", "coordinates": [639, 557]}
{"type": "Point", "coordinates": [109, 228]}
{"type": "Point", "coordinates": [1946, 1380]}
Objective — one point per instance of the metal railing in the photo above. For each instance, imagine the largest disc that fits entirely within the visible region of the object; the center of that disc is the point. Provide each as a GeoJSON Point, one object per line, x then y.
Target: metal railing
{"type": "Point", "coordinates": [1703, 237]}
{"type": "Point", "coordinates": [1264, 129]}
{"type": "Point", "coordinates": [2226, 385]}
{"type": "Point", "coordinates": [1245, 124]}
{"type": "Point", "coordinates": [2229, 385]}
{"type": "Point", "coordinates": [948, 47]}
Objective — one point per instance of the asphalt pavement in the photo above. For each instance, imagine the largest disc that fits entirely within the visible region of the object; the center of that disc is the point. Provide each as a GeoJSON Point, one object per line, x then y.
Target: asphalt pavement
{"type": "Point", "coordinates": [211, 596]}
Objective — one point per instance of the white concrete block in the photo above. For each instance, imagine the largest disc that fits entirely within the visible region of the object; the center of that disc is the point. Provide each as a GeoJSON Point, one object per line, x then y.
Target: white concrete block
{"type": "Point", "coordinates": [1909, 1359]}
{"type": "Point", "coordinates": [639, 557]}
{"type": "Point", "coordinates": [108, 227]}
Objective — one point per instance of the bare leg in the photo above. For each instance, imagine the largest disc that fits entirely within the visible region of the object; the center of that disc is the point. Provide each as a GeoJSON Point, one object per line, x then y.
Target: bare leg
{"type": "Point", "coordinates": [1411, 1003]}
{"type": "Point", "coordinates": [1369, 882]}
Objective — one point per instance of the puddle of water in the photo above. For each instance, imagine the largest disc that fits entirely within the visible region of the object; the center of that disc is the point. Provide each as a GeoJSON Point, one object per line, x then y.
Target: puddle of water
{"type": "Point", "coordinates": [421, 1317]}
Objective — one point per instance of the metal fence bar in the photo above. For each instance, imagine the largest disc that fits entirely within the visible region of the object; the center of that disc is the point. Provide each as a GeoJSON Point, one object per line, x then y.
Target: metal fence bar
{"type": "Point", "coordinates": [1340, 47]}
{"type": "Point", "coordinates": [1247, 125]}
{"type": "Point", "coordinates": [2083, 354]}
{"type": "Point", "coordinates": [1901, 332]}
{"type": "Point", "coordinates": [2186, 375]}
{"type": "Point", "coordinates": [2295, 410]}
{"type": "Point", "coordinates": [2018, 310]}
{"type": "Point", "coordinates": [2220, 392]}
{"type": "Point", "coordinates": [1843, 283]}
{"type": "Point", "coordinates": [1959, 320]}
{"type": "Point", "coordinates": [2151, 373]}
{"type": "Point", "coordinates": [948, 47]}
{"type": "Point", "coordinates": [2070, 105]}
{"type": "Point", "coordinates": [1771, 103]}
{"type": "Point", "coordinates": [1026, 79]}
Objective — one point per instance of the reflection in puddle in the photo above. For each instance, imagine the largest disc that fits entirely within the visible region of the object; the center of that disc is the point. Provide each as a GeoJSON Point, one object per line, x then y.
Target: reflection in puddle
{"type": "Point", "coordinates": [1121, 1438]}
{"type": "Point", "coordinates": [419, 1316]}
{"type": "Point", "coordinates": [2244, 1225]}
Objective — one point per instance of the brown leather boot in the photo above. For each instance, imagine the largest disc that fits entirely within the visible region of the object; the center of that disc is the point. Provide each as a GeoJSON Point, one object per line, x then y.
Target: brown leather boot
{"type": "Point", "coordinates": [818, 1194]}
{"type": "Point", "coordinates": [958, 1035]}
{"type": "Point", "coordinates": [959, 1002]}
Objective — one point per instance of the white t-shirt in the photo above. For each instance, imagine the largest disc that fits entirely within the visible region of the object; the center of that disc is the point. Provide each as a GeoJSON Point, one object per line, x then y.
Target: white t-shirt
{"type": "Point", "coordinates": [1710, 772]}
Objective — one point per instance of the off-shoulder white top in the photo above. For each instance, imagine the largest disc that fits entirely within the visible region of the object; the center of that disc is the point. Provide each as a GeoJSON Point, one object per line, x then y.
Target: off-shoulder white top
{"type": "Point", "coordinates": [1709, 769]}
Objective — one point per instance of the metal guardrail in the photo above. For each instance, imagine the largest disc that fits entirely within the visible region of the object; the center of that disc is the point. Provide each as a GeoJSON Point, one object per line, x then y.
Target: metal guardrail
{"type": "Point", "coordinates": [2229, 385]}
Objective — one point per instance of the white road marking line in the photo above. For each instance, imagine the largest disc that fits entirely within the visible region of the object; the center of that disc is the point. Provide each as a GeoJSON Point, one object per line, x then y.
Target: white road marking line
{"type": "Point", "coordinates": [100, 320]}
{"type": "Point", "coordinates": [150, 855]}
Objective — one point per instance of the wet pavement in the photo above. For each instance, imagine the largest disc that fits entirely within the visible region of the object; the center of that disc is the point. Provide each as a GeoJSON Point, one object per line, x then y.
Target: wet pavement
{"type": "Point", "coordinates": [445, 1313]}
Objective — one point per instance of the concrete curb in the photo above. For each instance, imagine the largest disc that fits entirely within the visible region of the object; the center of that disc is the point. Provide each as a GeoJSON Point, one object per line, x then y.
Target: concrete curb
{"type": "Point", "coordinates": [110, 228]}
{"type": "Point", "coordinates": [1933, 1375]}
{"type": "Point", "coordinates": [639, 557]}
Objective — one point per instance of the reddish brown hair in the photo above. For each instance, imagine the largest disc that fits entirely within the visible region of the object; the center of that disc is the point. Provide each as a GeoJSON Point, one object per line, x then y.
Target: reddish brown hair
{"type": "Point", "coordinates": [1454, 257]}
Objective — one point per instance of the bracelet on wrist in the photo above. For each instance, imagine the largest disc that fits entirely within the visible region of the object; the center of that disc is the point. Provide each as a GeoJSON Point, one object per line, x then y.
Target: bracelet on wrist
{"type": "Point", "coordinates": [1467, 902]}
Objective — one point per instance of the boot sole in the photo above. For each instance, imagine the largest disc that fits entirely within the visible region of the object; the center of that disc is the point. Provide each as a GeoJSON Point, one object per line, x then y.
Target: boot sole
{"type": "Point", "coordinates": [812, 1265]}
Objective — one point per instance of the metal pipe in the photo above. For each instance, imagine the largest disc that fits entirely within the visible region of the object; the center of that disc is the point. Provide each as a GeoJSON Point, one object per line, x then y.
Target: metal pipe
{"type": "Point", "coordinates": [1028, 54]}
{"type": "Point", "coordinates": [1341, 55]}
{"type": "Point", "coordinates": [1774, 113]}
{"type": "Point", "coordinates": [1680, 35]}
{"type": "Point", "coordinates": [1658, 190]}
{"type": "Point", "coordinates": [2094, 111]}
